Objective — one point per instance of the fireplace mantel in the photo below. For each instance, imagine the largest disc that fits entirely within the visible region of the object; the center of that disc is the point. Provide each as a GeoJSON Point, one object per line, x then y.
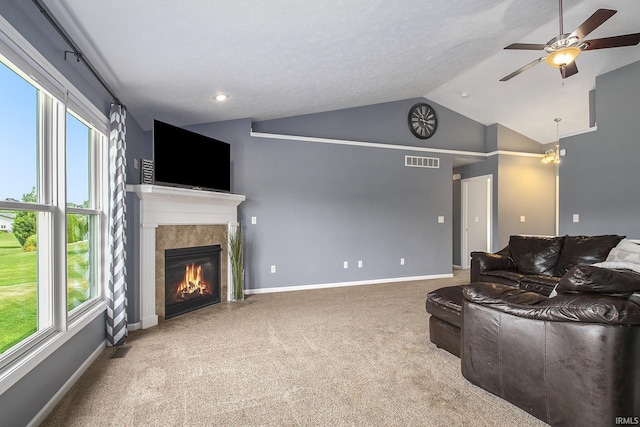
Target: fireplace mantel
{"type": "Point", "coordinates": [161, 205]}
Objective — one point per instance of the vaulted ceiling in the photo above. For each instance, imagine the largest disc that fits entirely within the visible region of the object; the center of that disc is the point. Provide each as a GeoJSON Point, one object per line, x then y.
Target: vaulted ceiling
{"type": "Point", "coordinates": [167, 59]}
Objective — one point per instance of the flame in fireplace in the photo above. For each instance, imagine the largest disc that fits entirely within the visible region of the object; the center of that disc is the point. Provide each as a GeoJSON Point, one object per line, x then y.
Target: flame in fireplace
{"type": "Point", "coordinates": [193, 284]}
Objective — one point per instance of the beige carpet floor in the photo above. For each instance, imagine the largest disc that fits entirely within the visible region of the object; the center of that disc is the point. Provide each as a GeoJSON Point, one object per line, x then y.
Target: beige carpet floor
{"type": "Point", "coordinates": [355, 356]}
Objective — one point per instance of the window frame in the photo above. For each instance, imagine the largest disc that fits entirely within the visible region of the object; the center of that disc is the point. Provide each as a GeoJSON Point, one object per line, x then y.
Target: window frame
{"type": "Point", "coordinates": [98, 153]}
{"type": "Point", "coordinates": [58, 95]}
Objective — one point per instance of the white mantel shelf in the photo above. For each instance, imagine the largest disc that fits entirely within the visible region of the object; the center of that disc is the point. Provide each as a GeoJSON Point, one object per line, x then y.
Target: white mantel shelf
{"type": "Point", "coordinates": [179, 206]}
{"type": "Point", "coordinates": [160, 205]}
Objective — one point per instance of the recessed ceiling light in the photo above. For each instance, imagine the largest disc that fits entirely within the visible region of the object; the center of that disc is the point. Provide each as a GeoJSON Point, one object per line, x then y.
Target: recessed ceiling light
{"type": "Point", "coordinates": [221, 97]}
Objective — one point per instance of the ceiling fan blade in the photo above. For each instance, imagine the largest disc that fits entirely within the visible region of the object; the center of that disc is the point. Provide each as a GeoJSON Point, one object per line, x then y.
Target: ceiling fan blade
{"type": "Point", "coordinates": [526, 46]}
{"type": "Point", "coordinates": [522, 69]}
{"type": "Point", "coordinates": [568, 70]}
{"type": "Point", "coordinates": [616, 41]}
{"type": "Point", "coordinates": [593, 22]}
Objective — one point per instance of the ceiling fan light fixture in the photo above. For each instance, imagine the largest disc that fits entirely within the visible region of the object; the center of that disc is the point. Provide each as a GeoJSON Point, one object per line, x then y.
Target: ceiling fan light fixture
{"type": "Point", "coordinates": [564, 56]}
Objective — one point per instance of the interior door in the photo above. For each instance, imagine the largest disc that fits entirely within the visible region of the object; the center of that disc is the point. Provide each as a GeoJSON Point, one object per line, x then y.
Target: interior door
{"type": "Point", "coordinates": [476, 216]}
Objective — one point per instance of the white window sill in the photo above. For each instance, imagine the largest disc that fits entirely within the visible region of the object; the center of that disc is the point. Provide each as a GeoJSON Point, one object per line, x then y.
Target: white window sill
{"type": "Point", "coordinates": [21, 366]}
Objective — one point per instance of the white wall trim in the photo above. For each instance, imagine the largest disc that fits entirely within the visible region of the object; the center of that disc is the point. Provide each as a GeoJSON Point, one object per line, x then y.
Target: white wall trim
{"type": "Point", "coordinates": [51, 404]}
{"type": "Point", "coordinates": [343, 284]}
{"type": "Point", "coordinates": [363, 144]}
{"type": "Point", "coordinates": [514, 153]}
{"type": "Point", "coordinates": [134, 326]}
{"type": "Point", "coordinates": [388, 146]}
{"type": "Point", "coordinates": [579, 132]}
{"type": "Point", "coordinates": [17, 369]}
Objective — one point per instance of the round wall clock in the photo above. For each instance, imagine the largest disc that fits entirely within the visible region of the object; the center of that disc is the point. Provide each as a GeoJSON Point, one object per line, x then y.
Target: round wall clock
{"type": "Point", "coordinates": [422, 120]}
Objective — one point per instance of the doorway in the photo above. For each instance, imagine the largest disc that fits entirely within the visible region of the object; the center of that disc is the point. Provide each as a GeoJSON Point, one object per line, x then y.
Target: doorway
{"type": "Point", "coordinates": [476, 216]}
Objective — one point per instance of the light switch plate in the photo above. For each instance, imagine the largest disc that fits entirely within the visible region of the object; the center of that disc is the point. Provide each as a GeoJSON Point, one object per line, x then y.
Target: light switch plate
{"type": "Point", "coordinates": [576, 217]}
{"type": "Point", "coordinates": [441, 219]}
{"type": "Point", "coordinates": [254, 220]}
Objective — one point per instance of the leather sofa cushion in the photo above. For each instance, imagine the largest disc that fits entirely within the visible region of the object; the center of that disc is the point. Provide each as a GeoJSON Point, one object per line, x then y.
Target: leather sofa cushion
{"type": "Point", "coordinates": [446, 304]}
{"type": "Point", "coordinates": [487, 261]}
{"type": "Point", "coordinates": [512, 277]}
{"type": "Point", "coordinates": [585, 250]}
{"type": "Point", "coordinates": [579, 307]}
{"type": "Point", "coordinates": [589, 278]}
{"type": "Point", "coordinates": [534, 254]}
{"type": "Point", "coordinates": [498, 279]}
{"type": "Point", "coordinates": [540, 284]}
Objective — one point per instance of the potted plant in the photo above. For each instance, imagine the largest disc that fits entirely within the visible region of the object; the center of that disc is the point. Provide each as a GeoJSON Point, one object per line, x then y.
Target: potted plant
{"type": "Point", "coordinates": [237, 265]}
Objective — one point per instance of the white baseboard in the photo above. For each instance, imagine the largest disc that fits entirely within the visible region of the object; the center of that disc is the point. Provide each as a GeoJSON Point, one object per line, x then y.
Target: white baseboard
{"type": "Point", "coordinates": [51, 404]}
{"type": "Point", "coordinates": [341, 284]}
{"type": "Point", "coordinates": [134, 326]}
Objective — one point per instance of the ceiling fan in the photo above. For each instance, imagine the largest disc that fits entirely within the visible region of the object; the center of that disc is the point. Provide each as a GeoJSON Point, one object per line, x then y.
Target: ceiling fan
{"type": "Point", "coordinates": [564, 49]}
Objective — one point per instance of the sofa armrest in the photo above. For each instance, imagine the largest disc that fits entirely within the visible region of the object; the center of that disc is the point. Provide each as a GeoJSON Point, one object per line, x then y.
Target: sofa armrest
{"type": "Point", "coordinates": [481, 262]}
{"type": "Point", "coordinates": [553, 370]}
{"type": "Point", "coordinates": [578, 307]}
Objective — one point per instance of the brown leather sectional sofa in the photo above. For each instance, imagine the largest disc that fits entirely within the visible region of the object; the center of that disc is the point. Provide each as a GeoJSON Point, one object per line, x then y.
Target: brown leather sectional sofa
{"type": "Point", "coordinates": [572, 359]}
{"type": "Point", "coordinates": [537, 263]}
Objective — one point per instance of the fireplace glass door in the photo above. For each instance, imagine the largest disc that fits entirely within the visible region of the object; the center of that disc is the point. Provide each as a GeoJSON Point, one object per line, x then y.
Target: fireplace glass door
{"type": "Point", "coordinates": [192, 278]}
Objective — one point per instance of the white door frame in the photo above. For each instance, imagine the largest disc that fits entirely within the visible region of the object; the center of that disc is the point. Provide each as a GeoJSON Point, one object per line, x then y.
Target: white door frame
{"type": "Point", "coordinates": [464, 256]}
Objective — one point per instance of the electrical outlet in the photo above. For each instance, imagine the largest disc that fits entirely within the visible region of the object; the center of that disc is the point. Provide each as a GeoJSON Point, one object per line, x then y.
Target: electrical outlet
{"type": "Point", "coordinates": [522, 218]}
{"type": "Point", "coordinates": [576, 217]}
{"type": "Point", "coordinates": [346, 264]}
{"type": "Point", "coordinates": [360, 264]}
{"type": "Point", "coordinates": [441, 219]}
{"type": "Point", "coordinates": [273, 268]}
{"type": "Point", "coordinates": [401, 261]}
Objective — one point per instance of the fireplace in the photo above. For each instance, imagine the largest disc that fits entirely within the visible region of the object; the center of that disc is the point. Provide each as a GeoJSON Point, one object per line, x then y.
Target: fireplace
{"type": "Point", "coordinates": [177, 218]}
{"type": "Point", "coordinates": [192, 278]}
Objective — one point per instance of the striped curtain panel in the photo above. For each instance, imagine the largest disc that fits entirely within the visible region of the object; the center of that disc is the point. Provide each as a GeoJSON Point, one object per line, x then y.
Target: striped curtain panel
{"type": "Point", "coordinates": [116, 291]}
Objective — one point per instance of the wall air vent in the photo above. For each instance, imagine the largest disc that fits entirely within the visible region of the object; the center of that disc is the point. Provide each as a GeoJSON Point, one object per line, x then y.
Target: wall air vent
{"type": "Point", "coordinates": [422, 162]}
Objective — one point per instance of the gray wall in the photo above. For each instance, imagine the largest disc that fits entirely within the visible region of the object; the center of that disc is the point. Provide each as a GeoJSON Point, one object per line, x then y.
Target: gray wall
{"type": "Point", "coordinates": [138, 147]}
{"type": "Point", "coordinates": [318, 205]}
{"type": "Point", "coordinates": [25, 17]}
{"type": "Point", "coordinates": [510, 140]}
{"type": "Point", "coordinates": [599, 175]}
{"type": "Point", "coordinates": [521, 186]}
{"type": "Point", "coordinates": [385, 123]}
{"type": "Point", "coordinates": [22, 402]}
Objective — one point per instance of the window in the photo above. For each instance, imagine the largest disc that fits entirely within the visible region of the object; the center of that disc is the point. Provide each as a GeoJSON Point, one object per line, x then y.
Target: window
{"type": "Point", "coordinates": [83, 219]}
{"type": "Point", "coordinates": [23, 290]}
{"type": "Point", "coordinates": [52, 212]}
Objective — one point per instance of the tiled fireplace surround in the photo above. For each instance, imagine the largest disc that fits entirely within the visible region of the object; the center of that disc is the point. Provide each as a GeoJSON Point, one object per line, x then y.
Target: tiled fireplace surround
{"type": "Point", "coordinates": [178, 218]}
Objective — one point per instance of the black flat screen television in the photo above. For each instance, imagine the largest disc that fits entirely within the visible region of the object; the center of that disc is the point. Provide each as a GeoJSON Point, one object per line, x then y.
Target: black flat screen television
{"type": "Point", "coordinates": [185, 159]}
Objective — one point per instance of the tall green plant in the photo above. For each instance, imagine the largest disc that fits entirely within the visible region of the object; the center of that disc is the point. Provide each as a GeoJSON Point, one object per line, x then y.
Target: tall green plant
{"type": "Point", "coordinates": [237, 264]}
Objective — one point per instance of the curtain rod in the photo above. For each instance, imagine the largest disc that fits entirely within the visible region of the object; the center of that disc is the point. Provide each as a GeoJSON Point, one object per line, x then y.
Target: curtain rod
{"type": "Point", "coordinates": [76, 52]}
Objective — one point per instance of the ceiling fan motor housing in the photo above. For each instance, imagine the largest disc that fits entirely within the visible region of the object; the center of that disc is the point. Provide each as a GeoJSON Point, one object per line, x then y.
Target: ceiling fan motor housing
{"type": "Point", "coordinates": [560, 42]}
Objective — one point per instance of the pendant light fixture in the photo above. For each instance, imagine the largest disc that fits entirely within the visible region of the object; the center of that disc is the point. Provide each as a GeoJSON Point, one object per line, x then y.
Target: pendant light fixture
{"type": "Point", "coordinates": [552, 155]}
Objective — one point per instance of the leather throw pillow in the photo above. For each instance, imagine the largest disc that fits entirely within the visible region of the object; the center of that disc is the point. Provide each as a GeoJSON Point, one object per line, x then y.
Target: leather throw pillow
{"type": "Point", "coordinates": [534, 254]}
{"type": "Point", "coordinates": [588, 278]}
{"type": "Point", "coordinates": [585, 250]}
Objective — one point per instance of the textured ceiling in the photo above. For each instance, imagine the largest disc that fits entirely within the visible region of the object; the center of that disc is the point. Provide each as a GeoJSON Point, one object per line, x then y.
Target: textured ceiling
{"type": "Point", "coordinates": [167, 59]}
